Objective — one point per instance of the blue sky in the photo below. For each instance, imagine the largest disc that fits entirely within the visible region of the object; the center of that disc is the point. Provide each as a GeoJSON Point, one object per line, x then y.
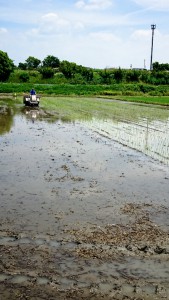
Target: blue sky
{"type": "Point", "coordinates": [92, 33]}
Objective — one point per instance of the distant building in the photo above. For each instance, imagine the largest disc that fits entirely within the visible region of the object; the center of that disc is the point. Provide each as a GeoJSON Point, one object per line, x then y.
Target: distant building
{"type": "Point", "coordinates": [139, 69]}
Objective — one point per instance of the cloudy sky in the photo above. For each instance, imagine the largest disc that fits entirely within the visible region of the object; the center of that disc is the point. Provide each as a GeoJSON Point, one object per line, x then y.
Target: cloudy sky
{"type": "Point", "coordinates": [92, 33]}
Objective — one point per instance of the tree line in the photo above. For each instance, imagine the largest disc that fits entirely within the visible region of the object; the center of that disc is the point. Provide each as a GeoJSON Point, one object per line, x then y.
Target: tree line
{"type": "Point", "coordinates": [70, 72]}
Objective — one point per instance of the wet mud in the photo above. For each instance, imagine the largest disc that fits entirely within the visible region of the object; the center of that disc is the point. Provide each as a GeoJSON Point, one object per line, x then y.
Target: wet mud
{"type": "Point", "coordinates": [81, 215]}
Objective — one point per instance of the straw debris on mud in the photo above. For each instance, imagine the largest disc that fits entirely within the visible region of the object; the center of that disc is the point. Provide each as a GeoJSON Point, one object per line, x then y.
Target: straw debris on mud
{"type": "Point", "coordinates": [34, 268]}
{"type": "Point", "coordinates": [141, 236]}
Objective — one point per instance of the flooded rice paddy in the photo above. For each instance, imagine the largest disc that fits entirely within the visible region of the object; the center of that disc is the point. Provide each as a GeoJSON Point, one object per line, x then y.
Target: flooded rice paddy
{"type": "Point", "coordinates": [84, 204]}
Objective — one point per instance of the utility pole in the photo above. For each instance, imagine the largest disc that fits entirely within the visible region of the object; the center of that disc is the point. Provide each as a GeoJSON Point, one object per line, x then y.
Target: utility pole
{"type": "Point", "coordinates": [144, 64]}
{"type": "Point", "coordinates": [153, 27]}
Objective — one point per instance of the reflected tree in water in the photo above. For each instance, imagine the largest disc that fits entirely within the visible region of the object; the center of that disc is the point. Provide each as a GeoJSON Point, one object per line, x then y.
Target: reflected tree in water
{"type": "Point", "coordinates": [6, 119]}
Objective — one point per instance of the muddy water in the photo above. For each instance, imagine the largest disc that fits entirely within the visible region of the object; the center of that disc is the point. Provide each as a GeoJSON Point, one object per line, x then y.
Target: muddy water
{"type": "Point", "coordinates": [84, 206]}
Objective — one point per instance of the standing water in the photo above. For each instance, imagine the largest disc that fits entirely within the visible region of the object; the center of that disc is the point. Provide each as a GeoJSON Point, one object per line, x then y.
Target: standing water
{"type": "Point", "coordinates": [84, 203]}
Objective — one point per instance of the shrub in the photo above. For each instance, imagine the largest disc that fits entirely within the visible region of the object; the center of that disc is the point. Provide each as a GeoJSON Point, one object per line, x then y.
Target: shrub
{"type": "Point", "coordinates": [47, 72]}
{"type": "Point", "coordinates": [146, 88]}
{"type": "Point", "coordinates": [130, 93]}
{"type": "Point", "coordinates": [111, 93]}
{"type": "Point", "coordinates": [24, 77]}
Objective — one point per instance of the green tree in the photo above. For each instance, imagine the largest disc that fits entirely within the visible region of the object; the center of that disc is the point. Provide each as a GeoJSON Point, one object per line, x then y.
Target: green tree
{"type": "Point", "coordinates": [24, 77]}
{"type": "Point", "coordinates": [46, 72]}
{"type": "Point", "coordinates": [145, 75]}
{"type": "Point", "coordinates": [156, 66]}
{"type": "Point", "coordinates": [118, 75]}
{"type": "Point", "coordinates": [32, 62]}
{"type": "Point", "coordinates": [132, 75]}
{"type": "Point", "coordinates": [68, 69]}
{"type": "Point", "coordinates": [106, 76]}
{"type": "Point", "coordinates": [160, 67]}
{"type": "Point", "coordinates": [22, 66]}
{"type": "Point", "coordinates": [87, 73]}
{"type": "Point", "coordinates": [6, 66]}
{"type": "Point", "coordinates": [51, 61]}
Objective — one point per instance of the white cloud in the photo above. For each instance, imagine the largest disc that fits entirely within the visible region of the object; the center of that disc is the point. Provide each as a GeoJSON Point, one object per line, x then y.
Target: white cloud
{"type": "Point", "coordinates": [141, 35]}
{"type": "Point", "coordinates": [54, 24]}
{"type": "Point", "coordinates": [51, 23]}
{"type": "Point", "coordinates": [94, 4]}
{"type": "Point", "coordinates": [3, 30]}
{"type": "Point", "coordinates": [78, 26]}
{"type": "Point", "coordinates": [161, 5]}
{"type": "Point", "coordinates": [104, 36]}
{"type": "Point", "coordinates": [87, 35]}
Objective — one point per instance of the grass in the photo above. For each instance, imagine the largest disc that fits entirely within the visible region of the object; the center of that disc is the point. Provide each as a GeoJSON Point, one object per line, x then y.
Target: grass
{"type": "Point", "coordinates": [84, 108]}
{"type": "Point", "coordinates": [125, 92]}
{"type": "Point", "coordinates": [53, 89]}
{"type": "Point", "coordinates": [159, 100]}
{"type": "Point", "coordinates": [145, 99]}
{"type": "Point", "coordinates": [74, 108]}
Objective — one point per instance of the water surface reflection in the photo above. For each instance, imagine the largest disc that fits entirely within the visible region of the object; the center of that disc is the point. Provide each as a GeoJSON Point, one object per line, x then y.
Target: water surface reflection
{"type": "Point", "coordinates": [144, 128]}
{"type": "Point", "coordinates": [6, 119]}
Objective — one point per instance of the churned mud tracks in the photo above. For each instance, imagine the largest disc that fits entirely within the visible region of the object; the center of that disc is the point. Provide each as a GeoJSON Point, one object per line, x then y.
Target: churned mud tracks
{"type": "Point", "coordinates": [109, 261]}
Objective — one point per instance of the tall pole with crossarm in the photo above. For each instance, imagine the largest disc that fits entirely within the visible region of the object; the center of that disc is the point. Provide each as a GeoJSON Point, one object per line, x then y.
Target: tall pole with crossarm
{"type": "Point", "coordinates": [153, 27]}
